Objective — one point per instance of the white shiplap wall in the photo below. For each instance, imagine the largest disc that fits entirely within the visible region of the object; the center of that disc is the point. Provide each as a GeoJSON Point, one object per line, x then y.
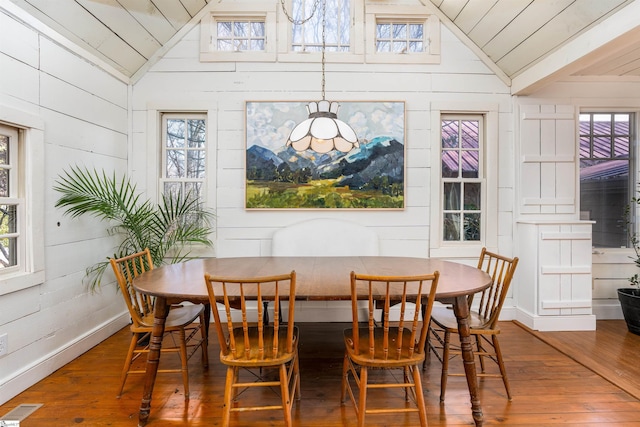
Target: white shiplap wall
{"type": "Point", "coordinates": [460, 81]}
{"type": "Point", "coordinates": [85, 116]}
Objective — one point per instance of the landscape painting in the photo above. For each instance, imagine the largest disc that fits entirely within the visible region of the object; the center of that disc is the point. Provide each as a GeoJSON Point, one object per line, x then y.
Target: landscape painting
{"type": "Point", "coordinates": [371, 176]}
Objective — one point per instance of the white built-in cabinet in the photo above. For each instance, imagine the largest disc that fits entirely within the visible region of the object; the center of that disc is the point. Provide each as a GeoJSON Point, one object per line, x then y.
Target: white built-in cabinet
{"type": "Point", "coordinates": [553, 284]}
{"type": "Point", "coordinates": [555, 276]}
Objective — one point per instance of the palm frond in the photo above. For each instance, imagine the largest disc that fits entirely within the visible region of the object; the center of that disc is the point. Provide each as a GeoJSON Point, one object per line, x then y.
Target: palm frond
{"type": "Point", "coordinates": [168, 229]}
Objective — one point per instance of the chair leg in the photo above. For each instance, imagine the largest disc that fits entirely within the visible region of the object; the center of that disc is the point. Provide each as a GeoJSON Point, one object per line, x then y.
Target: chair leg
{"type": "Point", "coordinates": [481, 352]}
{"type": "Point", "coordinates": [406, 372]}
{"type": "Point", "coordinates": [284, 393]}
{"type": "Point", "coordinates": [503, 371]}
{"type": "Point", "coordinates": [427, 345]}
{"type": "Point", "coordinates": [204, 333]}
{"type": "Point", "coordinates": [127, 363]}
{"type": "Point", "coordinates": [296, 372]}
{"type": "Point", "coordinates": [362, 398]}
{"type": "Point", "coordinates": [228, 393]}
{"type": "Point", "coordinates": [345, 378]}
{"type": "Point", "coordinates": [445, 365]}
{"type": "Point", "coordinates": [422, 410]}
{"type": "Point", "coordinates": [184, 359]}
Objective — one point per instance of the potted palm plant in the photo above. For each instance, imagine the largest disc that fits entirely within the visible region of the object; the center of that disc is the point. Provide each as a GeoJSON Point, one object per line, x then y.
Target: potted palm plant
{"type": "Point", "coordinates": [630, 297]}
{"type": "Point", "coordinates": [168, 228]}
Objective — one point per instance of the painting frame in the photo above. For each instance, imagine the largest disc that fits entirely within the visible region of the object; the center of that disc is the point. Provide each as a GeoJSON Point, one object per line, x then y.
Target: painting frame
{"type": "Point", "coordinates": [369, 177]}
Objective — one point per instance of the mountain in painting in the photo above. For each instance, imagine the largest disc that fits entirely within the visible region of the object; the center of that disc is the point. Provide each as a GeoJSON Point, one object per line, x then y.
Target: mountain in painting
{"type": "Point", "coordinates": [381, 157]}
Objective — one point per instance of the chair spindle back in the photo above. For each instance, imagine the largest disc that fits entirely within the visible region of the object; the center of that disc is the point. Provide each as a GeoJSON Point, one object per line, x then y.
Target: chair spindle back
{"type": "Point", "coordinates": [392, 290]}
{"type": "Point", "coordinates": [234, 293]}
{"type": "Point", "coordinates": [501, 270]}
{"type": "Point", "coordinates": [126, 269]}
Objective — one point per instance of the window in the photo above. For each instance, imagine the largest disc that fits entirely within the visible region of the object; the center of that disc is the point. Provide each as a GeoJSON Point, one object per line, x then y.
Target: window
{"type": "Point", "coordinates": [606, 185]}
{"type": "Point", "coordinates": [11, 206]}
{"type": "Point", "coordinates": [184, 154]}
{"type": "Point", "coordinates": [236, 32]}
{"type": "Point", "coordinates": [399, 37]}
{"type": "Point", "coordinates": [232, 35]}
{"type": "Point", "coordinates": [402, 34]}
{"type": "Point", "coordinates": [21, 200]}
{"type": "Point", "coordinates": [307, 28]}
{"type": "Point", "coordinates": [461, 178]}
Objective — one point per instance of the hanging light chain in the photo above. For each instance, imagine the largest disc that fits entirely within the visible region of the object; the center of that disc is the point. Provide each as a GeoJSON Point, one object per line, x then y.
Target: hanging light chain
{"type": "Point", "coordinates": [324, 41]}
{"type": "Point", "coordinates": [299, 21]}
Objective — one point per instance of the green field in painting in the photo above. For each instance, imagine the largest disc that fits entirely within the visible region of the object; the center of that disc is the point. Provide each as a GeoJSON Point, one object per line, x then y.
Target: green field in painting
{"type": "Point", "coordinates": [319, 194]}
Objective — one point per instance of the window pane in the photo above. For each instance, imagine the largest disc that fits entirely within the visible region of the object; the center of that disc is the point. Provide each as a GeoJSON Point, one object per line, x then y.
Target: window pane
{"type": "Point", "coordinates": [8, 245]}
{"type": "Point", "coordinates": [175, 133]}
{"type": "Point", "coordinates": [472, 196]}
{"type": "Point", "coordinates": [451, 196]}
{"type": "Point", "coordinates": [451, 227]}
{"type": "Point", "coordinates": [470, 164]}
{"type": "Point", "coordinates": [195, 164]}
{"type": "Point", "coordinates": [224, 29]}
{"type": "Point", "coordinates": [450, 165]}
{"type": "Point", "coordinates": [449, 134]}
{"type": "Point", "coordinates": [4, 150]}
{"type": "Point", "coordinates": [175, 164]}
{"type": "Point", "coordinates": [470, 134]}
{"type": "Point", "coordinates": [4, 183]}
{"type": "Point", "coordinates": [472, 227]}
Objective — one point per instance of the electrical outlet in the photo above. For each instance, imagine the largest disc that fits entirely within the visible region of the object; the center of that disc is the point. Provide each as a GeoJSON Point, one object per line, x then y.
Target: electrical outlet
{"type": "Point", "coordinates": [4, 344]}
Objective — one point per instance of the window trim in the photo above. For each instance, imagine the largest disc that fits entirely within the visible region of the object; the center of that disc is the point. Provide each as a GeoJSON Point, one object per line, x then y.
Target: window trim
{"type": "Point", "coordinates": [237, 11]}
{"type": "Point", "coordinates": [163, 179]}
{"type": "Point", "coordinates": [407, 14]}
{"type": "Point", "coordinates": [153, 154]}
{"type": "Point", "coordinates": [469, 249]}
{"type": "Point", "coordinates": [31, 151]}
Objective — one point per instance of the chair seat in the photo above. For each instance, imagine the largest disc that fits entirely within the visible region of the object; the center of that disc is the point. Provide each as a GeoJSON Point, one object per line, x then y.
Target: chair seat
{"type": "Point", "coordinates": [392, 359]}
{"type": "Point", "coordinates": [266, 359]}
{"type": "Point", "coordinates": [178, 317]}
{"type": "Point", "coordinates": [444, 317]}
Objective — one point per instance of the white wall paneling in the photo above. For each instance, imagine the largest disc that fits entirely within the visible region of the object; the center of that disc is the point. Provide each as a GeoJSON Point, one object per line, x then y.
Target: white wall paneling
{"type": "Point", "coordinates": [80, 115]}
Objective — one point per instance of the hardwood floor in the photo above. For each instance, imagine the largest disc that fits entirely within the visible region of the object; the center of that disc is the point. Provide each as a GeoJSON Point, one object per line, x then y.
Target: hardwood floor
{"type": "Point", "coordinates": [579, 382]}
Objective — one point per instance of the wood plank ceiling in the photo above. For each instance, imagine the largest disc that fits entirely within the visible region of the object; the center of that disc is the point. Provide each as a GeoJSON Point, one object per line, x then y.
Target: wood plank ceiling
{"type": "Point", "coordinates": [527, 43]}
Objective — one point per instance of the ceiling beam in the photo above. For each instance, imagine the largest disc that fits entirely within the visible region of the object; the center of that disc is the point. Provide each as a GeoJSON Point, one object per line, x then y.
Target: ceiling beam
{"type": "Point", "coordinates": [604, 40]}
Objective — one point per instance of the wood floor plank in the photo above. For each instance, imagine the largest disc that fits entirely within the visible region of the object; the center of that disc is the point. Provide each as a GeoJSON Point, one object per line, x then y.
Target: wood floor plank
{"type": "Point", "coordinates": [551, 387]}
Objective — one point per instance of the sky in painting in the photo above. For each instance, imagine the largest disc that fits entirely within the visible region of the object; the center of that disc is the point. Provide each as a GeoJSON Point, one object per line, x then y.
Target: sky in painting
{"type": "Point", "coordinates": [269, 123]}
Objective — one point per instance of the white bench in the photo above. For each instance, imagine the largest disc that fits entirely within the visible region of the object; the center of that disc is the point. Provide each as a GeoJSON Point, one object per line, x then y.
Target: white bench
{"type": "Point", "coordinates": [325, 237]}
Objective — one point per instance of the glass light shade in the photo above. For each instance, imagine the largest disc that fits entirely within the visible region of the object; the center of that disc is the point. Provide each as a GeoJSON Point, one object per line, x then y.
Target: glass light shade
{"type": "Point", "coordinates": [323, 131]}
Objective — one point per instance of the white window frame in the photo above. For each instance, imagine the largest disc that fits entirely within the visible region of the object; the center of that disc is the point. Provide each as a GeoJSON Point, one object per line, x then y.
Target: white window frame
{"type": "Point", "coordinates": [153, 154]}
{"type": "Point", "coordinates": [30, 269]}
{"type": "Point", "coordinates": [489, 212]}
{"type": "Point", "coordinates": [395, 13]}
{"type": "Point", "coordinates": [356, 39]}
{"type": "Point", "coordinates": [163, 170]}
{"type": "Point", "coordinates": [238, 12]}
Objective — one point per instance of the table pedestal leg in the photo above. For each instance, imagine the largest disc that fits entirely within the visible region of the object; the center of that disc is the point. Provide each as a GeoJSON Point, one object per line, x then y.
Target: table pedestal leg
{"type": "Point", "coordinates": [461, 310]}
{"type": "Point", "coordinates": [161, 310]}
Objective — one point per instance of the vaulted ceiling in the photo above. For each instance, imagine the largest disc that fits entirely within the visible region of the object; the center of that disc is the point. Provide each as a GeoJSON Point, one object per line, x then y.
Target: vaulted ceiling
{"type": "Point", "coordinates": [527, 43]}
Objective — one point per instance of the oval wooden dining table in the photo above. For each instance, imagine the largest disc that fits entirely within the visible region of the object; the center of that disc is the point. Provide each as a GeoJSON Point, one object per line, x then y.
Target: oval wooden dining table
{"type": "Point", "coordinates": [318, 278]}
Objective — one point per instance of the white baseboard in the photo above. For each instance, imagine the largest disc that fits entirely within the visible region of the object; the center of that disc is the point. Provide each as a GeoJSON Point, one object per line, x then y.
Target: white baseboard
{"type": "Point", "coordinates": [607, 309]}
{"type": "Point", "coordinates": [49, 363]}
{"type": "Point", "coordinates": [557, 323]}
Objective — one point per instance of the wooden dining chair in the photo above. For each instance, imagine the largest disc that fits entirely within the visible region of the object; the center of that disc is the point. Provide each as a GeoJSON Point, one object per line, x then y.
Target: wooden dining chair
{"type": "Point", "coordinates": [396, 345]}
{"type": "Point", "coordinates": [483, 322]}
{"type": "Point", "coordinates": [182, 325]}
{"type": "Point", "coordinates": [254, 344]}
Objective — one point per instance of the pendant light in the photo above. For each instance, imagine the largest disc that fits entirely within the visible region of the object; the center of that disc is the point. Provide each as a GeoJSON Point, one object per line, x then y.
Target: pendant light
{"type": "Point", "coordinates": [322, 132]}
